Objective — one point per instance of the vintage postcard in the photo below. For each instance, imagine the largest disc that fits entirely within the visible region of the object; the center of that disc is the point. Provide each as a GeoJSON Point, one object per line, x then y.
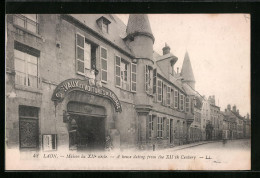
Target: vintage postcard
{"type": "Point", "coordinates": [127, 92]}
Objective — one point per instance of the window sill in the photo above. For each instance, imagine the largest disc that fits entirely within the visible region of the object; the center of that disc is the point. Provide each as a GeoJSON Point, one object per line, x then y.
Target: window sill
{"type": "Point", "coordinates": [103, 81]}
{"type": "Point", "coordinates": [29, 89]}
{"type": "Point", "coordinates": [125, 90]}
{"type": "Point", "coordinates": [27, 31]}
{"type": "Point", "coordinates": [149, 94]}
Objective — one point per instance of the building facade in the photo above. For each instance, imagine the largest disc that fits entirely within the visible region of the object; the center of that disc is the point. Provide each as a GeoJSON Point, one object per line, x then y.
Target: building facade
{"type": "Point", "coordinates": [206, 121]}
{"type": "Point", "coordinates": [87, 82]}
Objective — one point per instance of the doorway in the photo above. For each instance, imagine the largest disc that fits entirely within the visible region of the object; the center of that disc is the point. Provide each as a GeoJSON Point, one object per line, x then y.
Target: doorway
{"type": "Point", "coordinates": [87, 133]}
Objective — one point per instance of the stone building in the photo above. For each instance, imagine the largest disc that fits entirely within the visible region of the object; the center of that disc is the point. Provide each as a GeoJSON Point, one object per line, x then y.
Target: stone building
{"type": "Point", "coordinates": [226, 126]}
{"type": "Point", "coordinates": [206, 124]}
{"type": "Point", "coordinates": [239, 121]}
{"type": "Point", "coordinates": [214, 117]}
{"type": "Point", "coordinates": [247, 126]}
{"type": "Point", "coordinates": [84, 82]}
{"type": "Point", "coordinates": [232, 122]}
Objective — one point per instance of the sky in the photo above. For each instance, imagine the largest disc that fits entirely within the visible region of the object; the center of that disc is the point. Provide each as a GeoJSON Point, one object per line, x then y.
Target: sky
{"type": "Point", "coordinates": [219, 51]}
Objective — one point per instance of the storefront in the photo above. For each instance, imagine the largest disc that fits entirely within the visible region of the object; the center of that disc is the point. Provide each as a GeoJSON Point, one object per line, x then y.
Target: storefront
{"type": "Point", "coordinates": [89, 110]}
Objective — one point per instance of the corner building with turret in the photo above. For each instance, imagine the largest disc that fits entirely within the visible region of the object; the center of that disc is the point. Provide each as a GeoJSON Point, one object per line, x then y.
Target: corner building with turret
{"type": "Point", "coordinates": [90, 82]}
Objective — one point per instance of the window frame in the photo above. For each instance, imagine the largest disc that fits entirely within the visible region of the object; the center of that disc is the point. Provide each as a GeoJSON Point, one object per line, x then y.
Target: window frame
{"type": "Point", "coordinates": [176, 98]}
{"type": "Point", "coordinates": [27, 20]}
{"type": "Point", "coordinates": [187, 104]}
{"type": "Point", "coordinates": [181, 102]}
{"type": "Point", "coordinates": [135, 73]}
{"type": "Point", "coordinates": [160, 127]}
{"type": "Point", "coordinates": [168, 95]}
{"type": "Point", "coordinates": [101, 58]}
{"type": "Point", "coordinates": [128, 72]}
{"type": "Point", "coordinates": [119, 66]}
{"type": "Point", "coordinates": [159, 87]}
{"type": "Point", "coordinates": [150, 126]}
{"type": "Point", "coordinates": [26, 68]}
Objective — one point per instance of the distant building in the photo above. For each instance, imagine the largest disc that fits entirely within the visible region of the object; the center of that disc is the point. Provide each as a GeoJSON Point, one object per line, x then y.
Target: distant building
{"type": "Point", "coordinates": [206, 120]}
{"type": "Point", "coordinates": [247, 126]}
{"type": "Point", "coordinates": [214, 117]}
{"type": "Point", "coordinates": [226, 126]}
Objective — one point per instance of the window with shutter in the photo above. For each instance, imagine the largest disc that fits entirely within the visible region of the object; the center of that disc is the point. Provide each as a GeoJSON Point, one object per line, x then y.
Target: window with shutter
{"type": "Point", "coordinates": [159, 90]}
{"type": "Point", "coordinates": [176, 100]}
{"type": "Point", "coordinates": [168, 98]}
{"type": "Point", "coordinates": [125, 75]}
{"type": "Point", "coordinates": [160, 127]}
{"type": "Point", "coordinates": [133, 77]}
{"type": "Point", "coordinates": [181, 102]}
{"type": "Point", "coordinates": [103, 55]}
{"type": "Point", "coordinates": [167, 128]}
{"type": "Point", "coordinates": [148, 79]}
{"type": "Point", "coordinates": [150, 128]}
{"type": "Point", "coordinates": [118, 71]}
{"type": "Point", "coordinates": [187, 104]}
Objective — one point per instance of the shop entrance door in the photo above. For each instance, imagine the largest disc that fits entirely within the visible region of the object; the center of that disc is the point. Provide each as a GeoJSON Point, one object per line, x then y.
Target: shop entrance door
{"type": "Point", "coordinates": [89, 133]}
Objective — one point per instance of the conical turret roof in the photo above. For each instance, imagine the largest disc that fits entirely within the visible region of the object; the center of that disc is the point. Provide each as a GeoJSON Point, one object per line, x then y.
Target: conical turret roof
{"type": "Point", "coordinates": [186, 71]}
{"type": "Point", "coordinates": [139, 23]}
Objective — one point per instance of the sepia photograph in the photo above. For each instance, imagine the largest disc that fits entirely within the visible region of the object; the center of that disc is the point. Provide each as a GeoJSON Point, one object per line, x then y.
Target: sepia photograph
{"type": "Point", "coordinates": [127, 92]}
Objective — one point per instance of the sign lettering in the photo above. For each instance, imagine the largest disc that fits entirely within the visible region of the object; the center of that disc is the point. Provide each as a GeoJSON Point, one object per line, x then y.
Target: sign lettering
{"type": "Point", "coordinates": [84, 85]}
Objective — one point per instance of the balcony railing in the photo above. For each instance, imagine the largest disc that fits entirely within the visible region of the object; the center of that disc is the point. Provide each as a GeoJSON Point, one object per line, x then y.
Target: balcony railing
{"type": "Point", "coordinates": [26, 79]}
{"type": "Point", "coordinates": [26, 23]}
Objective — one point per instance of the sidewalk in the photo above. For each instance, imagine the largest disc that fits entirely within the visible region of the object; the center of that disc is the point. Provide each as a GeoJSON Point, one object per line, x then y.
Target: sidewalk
{"type": "Point", "coordinates": [180, 147]}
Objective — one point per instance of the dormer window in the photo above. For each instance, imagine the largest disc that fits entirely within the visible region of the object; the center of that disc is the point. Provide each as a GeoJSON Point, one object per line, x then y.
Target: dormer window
{"type": "Point", "coordinates": [103, 24]}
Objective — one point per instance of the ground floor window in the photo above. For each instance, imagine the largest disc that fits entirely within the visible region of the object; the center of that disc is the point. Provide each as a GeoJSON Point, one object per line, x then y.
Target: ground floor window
{"type": "Point", "coordinates": [150, 126]}
{"type": "Point", "coordinates": [28, 127]}
{"type": "Point", "coordinates": [159, 127]}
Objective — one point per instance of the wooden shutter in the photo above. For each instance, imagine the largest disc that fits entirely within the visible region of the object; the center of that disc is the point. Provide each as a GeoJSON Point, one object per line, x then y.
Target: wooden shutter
{"type": "Point", "coordinates": [167, 128]}
{"type": "Point", "coordinates": [168, 98]}
{"type": "Point", "coordinates": [133, 77]}
{"type": "Point", "coordinates": [146, 77]}
{"type": "Point", "coordinates": [80, 50]}
{"type": "Point", "coordinates": [159, 90]}
{"type": "Point", "coordinates": [147, 127]}
{"type": "Point", "coordinates": [118, 71]}
{"type": "Point", "coordinates": [103, 57]}
{"type": "Point", "coordinates": [154, 80]}
{"type": "Point", "coordinates": [87, 55]}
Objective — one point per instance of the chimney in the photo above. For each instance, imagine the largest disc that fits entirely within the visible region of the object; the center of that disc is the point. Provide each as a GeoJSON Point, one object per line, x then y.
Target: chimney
{"type": "Point", "coordinates": [229, 107]}
{"type": "Point", "coordinates": [225, 110]}
{"type": "Point", "coordinates": [234, 108]}
{"type": "Point", "coordinates": [247, 116]}
{"type": "Point", "coordinates": [238, 111]}
{"type": "Point", "coordinates": [166, 49]}
{"type": "Point", "coordinates": [177, 70]}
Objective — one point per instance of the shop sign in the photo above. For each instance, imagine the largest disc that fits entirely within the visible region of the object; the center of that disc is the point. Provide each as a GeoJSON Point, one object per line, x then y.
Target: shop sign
{"type": "Point", "coordinates": [84, 85]}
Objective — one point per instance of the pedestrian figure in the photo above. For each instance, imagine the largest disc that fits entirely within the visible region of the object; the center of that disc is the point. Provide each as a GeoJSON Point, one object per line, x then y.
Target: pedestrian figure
{"type": "Point", "coordinates": [224, 141]}
{"type": "Point", "coordinates": [108, 146]}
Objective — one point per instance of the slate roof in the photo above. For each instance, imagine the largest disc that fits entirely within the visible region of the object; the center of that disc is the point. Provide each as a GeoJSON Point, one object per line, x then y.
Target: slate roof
{"type": "Point", "coordinates": [139, 23]}
{"type": "Point", "coordinates": [186, 70]}
{"type": "Point", "coordinates": [157, 58]}
{"type": "Point", "coordinates": [117, 29]}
